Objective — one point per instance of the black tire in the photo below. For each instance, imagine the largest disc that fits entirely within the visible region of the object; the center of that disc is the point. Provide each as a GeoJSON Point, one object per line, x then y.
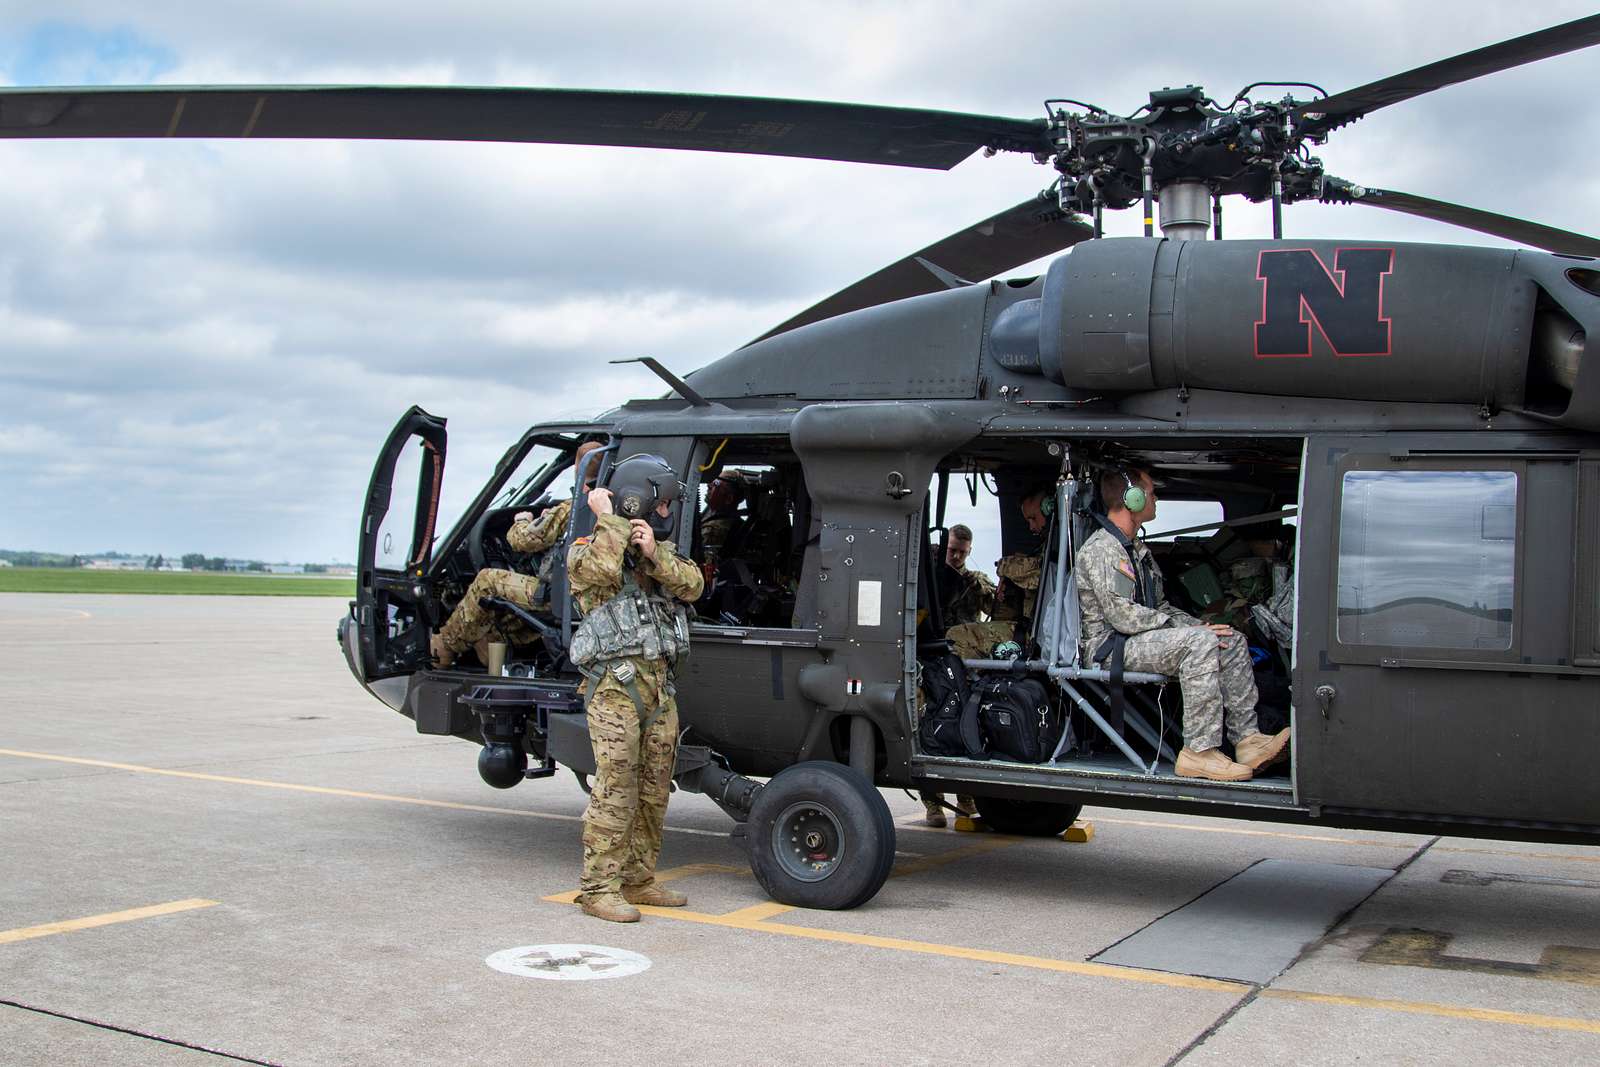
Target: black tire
{"type": "Point", "coordinates": [1027, 818]}
{"type": "Point", "coordinates": [820, 837]}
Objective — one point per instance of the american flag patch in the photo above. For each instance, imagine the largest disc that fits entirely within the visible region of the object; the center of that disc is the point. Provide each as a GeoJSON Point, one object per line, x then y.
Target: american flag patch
{"type": "Point", "coordinates": [1127, 569]}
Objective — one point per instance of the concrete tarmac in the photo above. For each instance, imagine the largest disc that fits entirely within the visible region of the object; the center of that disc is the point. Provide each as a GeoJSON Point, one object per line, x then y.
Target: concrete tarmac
{"type": "Point", "coordinates": [217, 848]}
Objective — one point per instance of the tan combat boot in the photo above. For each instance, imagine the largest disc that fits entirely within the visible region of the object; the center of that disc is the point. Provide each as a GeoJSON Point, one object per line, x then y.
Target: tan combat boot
{"type": "Point", "coordinates": [654, 894]}
{"type": "Point", "coordinates": [935, 813]}
{"type": "Point", "coordinates": [610, 907]}
{"type": "Point", "coordinates": [442, 656]}
{"type": "Point", "coordinates": [1211, 764]}
{"type": "Point", "coordinates": [967, 806]}
{"type": "Point", "coordinates": [1261, 750]}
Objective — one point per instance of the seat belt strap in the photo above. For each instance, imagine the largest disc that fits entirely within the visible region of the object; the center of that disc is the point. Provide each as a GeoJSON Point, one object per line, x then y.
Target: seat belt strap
{"type": "Point", "coordinates": [1115, 646]}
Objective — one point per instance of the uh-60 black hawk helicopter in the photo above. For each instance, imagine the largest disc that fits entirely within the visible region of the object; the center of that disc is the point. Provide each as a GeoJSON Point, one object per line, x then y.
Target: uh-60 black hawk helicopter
{"type": "Point", "coordinates": [1430, 415]}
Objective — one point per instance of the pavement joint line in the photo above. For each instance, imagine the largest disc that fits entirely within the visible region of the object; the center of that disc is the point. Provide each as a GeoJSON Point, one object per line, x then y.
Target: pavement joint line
{"type": "Point", "coordinates": [100, 1024]}
{"type": "Point", "coordinates": [1445, 1011]}
{"type": "Point", "coordinates": [89, 922]}
{"type": "Point", "coordinates": [323, 790]}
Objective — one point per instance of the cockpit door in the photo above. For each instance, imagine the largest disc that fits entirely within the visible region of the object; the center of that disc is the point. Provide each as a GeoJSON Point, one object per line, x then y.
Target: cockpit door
{"type": "Point", "coordinates": [396, 546]}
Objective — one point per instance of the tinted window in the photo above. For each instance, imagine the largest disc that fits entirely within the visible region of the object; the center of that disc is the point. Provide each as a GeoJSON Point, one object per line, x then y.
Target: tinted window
{"type": "Point", "coordinates": [1427, 559]}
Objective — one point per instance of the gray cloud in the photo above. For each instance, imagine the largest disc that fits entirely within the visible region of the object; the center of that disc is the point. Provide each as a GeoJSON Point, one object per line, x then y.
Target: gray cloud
{"type": "Point", "coordinates": [203, 344]}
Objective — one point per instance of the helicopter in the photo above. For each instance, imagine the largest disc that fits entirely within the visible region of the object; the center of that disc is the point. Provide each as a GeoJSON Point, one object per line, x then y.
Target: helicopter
{"type": "Point", "coordinates": [1403, 441]}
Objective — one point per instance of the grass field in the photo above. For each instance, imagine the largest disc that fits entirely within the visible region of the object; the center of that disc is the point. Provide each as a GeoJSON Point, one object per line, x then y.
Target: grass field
{"type": "Point", "coordinates": [181, 583]}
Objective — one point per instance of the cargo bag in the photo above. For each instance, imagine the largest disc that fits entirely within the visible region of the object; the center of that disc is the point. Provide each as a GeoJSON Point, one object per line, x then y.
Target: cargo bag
{"type": "Point", "coordinates": [944, 691]}
{"type": "Point", "coordinates": [1017, 719]}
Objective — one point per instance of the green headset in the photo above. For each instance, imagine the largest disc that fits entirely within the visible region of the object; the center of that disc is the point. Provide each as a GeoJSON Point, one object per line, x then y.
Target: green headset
{"type": "Point", "coordinates": [1133, 497]}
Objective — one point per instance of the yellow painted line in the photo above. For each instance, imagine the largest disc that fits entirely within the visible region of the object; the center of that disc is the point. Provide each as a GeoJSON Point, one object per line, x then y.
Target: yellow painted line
{"type": "Point", "coordinates": [736, 921]}
{"type": "Point", "coordinates": [71, 615]}
{"type": "Point", "coordinates": [756, 913]}
{"type": "Point", "coordinates": [688, 870]}
{"type": "Point", "coordinates": [1443, 1011]}
{"type": "Point", "coordinates": [977, 848]}
{"type": "Point", "coordinates": [1519, 855]}
{"type": "Point", "coordinates": [67, 926]}
{"type": "Point", "coordinates": [1328, 838]}
{"type": "Point", "coordinates": [321, 790]}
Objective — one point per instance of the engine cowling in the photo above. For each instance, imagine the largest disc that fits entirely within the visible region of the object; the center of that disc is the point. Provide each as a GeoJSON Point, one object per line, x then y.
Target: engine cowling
{"type": "Point", "coordinates": [1352, 320]}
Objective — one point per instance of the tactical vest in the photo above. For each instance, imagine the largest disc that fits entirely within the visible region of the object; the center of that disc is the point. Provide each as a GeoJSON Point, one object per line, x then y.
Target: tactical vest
{"type": "Point", "coordinates": [632, 623]}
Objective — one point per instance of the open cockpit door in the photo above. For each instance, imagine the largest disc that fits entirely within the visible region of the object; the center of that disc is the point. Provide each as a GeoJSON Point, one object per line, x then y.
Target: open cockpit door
{"type": "Point", "coordinates": [397, 529]}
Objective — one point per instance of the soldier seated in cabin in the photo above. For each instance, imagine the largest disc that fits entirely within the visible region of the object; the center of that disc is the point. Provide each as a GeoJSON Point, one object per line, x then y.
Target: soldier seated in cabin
{"type": "Point", "coordinates": [471, 625]}
{"type": "Point", "coordinates": [1128, 624]}
{"type": "Point", "coordinates": [967, 599]}
{"type": "Point", "coordinates": [1013, 600]}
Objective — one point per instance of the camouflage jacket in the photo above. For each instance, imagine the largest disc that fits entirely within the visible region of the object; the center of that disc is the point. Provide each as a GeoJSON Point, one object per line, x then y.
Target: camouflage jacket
{"type": "Point", "coordinates": [1106, 585]}
{"type": "Point", "coordinates": [594, 567]}
{"type": "Point", "coordinates": [973, 601]}
{"type": "Point", "coordinates": [1019, 573]}
{"type": "Point", "coordinates": [539, 534]}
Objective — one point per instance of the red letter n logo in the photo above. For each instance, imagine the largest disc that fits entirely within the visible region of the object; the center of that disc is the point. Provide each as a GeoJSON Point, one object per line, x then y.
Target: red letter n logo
{"type": "Point", "coordinates": [1345, 304]}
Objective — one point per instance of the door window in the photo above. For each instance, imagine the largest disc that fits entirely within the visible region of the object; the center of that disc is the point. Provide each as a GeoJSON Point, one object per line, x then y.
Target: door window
{"type": "Point", "coordinates": [417, 467]}
{"type": "Point", "coordinates": [1427, 558]}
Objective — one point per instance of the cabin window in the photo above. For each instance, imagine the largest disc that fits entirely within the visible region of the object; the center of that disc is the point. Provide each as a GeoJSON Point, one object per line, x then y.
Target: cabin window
{"type": "Point", "coordinates": [1427, 558]}
{"type": "Point", "coordinates": [751, 533]}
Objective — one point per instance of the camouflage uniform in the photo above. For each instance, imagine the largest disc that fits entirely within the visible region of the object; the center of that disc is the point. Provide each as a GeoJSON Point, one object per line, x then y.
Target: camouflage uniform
{"type": "Point", "coordinates": [976, 640]}
{"type": "Point", "coordinates": [714, 531]}
{"type": "Point", "coordinates": [1022, 570]}
{"type": "Point", "coordinates": [470, 623]}
{"type": "Point", "coordinates": [634, 760]}
{"type": "Point", "coordinates": [1165, 640]}
{"type": "Point", "coordinates": [973, 601]}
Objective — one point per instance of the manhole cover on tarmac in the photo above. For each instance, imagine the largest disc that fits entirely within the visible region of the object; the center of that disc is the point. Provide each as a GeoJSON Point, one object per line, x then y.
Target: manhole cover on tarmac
{"type": "Point", "coordinates": [568, 963]}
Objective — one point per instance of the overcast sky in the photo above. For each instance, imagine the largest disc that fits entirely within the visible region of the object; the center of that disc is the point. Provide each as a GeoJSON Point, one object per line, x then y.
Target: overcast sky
{"type": "Point", "coordinates": [202, 344]}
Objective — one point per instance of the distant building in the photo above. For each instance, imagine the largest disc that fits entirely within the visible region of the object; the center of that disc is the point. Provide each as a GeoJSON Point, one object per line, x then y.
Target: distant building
{"type": "Point", "coordinates": [286, 568]}
{"type": "Point", "coordinates": [5, 563]}
{"type": "Point", "coordinates": [131, 563]}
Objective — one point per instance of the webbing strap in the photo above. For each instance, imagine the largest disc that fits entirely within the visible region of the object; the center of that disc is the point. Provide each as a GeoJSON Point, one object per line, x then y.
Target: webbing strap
{"type": "Point", "coordinates": [646, 719]}
{"type": "Point", "coordinates": [1115, 646]}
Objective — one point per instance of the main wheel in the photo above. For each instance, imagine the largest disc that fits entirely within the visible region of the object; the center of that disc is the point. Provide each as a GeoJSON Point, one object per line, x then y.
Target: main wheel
{"type": "Point", "coordinates": [1027, 818]}
{"type": "Point", "coordinates": [820, 837]}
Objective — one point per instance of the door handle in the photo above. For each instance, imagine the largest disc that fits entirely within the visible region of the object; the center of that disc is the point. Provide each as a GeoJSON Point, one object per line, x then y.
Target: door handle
{"type": "Point", "coordinates": [1325, 695]}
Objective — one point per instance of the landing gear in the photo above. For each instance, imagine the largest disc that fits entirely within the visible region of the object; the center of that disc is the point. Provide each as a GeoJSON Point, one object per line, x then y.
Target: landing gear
{"type": "Point", "coordinates": [1027, 818]}
{"type": "Point", "coordinates": [820, 837]}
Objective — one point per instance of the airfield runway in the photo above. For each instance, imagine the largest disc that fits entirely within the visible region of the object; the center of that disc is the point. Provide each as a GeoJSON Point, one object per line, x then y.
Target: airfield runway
{"type": "Point", "coordinates": [217, 847]}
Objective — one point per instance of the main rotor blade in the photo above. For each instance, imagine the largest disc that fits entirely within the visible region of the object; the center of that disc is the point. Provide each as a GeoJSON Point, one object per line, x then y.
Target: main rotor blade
{"type": "Point", "coordinates": [1520, 230]}
{"type": "Point", "coordinates": [1352, 104]}
{"type": "Point", "coordinates": [1021, 234]}
{"type": "Point", "coordinates": [859, 133]}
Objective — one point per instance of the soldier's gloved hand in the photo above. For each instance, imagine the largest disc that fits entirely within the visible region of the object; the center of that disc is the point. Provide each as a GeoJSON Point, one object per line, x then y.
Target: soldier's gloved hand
{"type": "Point", "coordinates": [600, 501]}
{"type": "Point", "coordinates": [644, 537]}
{"type": "Point", "coordinates": [522, 516]}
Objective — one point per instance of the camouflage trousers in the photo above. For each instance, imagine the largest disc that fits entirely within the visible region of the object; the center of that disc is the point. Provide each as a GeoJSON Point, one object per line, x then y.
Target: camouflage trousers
{"type": "Point", "coordinates": [633, 779]}
{"type": "Point", "coordinates": [470, 623]}
{"type": "Point", "coordinates": [1218, 684]}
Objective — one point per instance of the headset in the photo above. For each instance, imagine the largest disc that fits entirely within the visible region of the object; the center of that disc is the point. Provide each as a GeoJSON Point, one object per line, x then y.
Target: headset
{"type": "Point", "coordinates": [1133, 497]}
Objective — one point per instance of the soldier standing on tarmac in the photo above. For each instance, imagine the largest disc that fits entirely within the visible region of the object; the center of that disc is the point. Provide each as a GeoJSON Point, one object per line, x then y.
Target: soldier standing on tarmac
{"type": "Point", "coordinates": [1124, 603]}
{"type": "Point", "coordinates": [628, 584]}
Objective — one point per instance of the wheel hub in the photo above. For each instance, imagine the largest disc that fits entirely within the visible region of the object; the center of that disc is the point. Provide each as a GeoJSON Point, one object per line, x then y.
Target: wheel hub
{"type": "Point", "coordinates": [808, 841]}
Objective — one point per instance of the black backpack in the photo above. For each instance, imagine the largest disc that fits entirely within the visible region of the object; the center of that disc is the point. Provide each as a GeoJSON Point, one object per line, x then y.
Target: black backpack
{"type": "Point", "coordinates": [1016, 718]}
{"type": "Point", "coordinates": [944, 688]}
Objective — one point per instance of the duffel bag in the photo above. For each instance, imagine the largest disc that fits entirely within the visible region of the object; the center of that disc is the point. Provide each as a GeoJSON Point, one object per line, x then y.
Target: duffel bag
{"type": "Point", "coordinates": [1017, 719]}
